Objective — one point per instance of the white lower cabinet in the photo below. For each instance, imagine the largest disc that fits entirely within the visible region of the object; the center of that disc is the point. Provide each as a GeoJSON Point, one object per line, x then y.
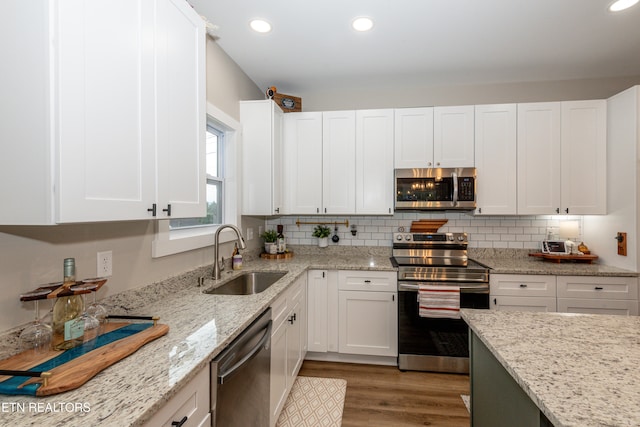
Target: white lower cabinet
{"type": "Point", "coordinates": [598, 295]}
{"type": "Point", "coordinates": [367, 313]}
{"type": "Point", "coordinates": [190, 406]}
{"type": "Point", "coordinates": [566, 294]}
{"type": "Point", "coordinates": [522, 292]}
{"type": "Point", "coordinates": [288, 343]}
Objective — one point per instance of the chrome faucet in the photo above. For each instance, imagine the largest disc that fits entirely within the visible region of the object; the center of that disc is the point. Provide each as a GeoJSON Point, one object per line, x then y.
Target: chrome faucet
{"type": "Point", "coordinates": [217, 267]}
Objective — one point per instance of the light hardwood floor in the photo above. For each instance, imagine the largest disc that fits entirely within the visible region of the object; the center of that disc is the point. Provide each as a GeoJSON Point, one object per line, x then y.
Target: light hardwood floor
{"type": "Point", "coordinates": [385, 396]}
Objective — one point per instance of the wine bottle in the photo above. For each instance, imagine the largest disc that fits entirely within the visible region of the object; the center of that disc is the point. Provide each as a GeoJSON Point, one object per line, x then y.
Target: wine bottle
{"type": "Point", "coordinates": [68, 327]}
{"type": "Point", "coordinates": [280, 242]}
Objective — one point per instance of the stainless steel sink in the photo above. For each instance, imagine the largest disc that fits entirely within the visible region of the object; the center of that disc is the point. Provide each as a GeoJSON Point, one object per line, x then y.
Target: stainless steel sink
{"type": "Point", "coordinates": [248, 283]}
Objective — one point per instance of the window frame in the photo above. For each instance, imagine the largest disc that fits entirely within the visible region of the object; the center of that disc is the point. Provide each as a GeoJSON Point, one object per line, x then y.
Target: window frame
{"type": "Point", "coordinates": [170, 242]}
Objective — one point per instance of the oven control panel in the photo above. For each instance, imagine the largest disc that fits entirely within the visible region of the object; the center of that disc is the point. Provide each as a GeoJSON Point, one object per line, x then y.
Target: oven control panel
{"type": "Point", "coordinates": [430, 238]}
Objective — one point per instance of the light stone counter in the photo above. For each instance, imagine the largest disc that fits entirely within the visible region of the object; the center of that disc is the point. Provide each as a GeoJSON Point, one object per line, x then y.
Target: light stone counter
{"type": "Point", "coordinates": [580, 370]}
{"type": "Point", "coordinates": [132, 390]}
{"type": "Point", "coordinates": [514, 261]}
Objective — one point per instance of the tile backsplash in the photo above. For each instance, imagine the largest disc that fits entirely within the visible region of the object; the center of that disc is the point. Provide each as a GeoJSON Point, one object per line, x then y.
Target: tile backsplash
{"type": "Point", "coordinates": [513, 232]}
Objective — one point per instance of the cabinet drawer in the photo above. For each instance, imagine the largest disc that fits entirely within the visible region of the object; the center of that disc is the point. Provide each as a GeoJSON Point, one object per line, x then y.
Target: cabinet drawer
{"type": "Point", "coordinates": [620, 288]}
{"type": "Point", "coordinates": [279, 310]}
{"type": "Point", "coordinates": [522, 285]}
{"type": "Point", "coordinates": [598, 306]}
{"type": "Point", "coordinates": [191, 402]}
{"type": "Point", "coordinates": [378, 281]}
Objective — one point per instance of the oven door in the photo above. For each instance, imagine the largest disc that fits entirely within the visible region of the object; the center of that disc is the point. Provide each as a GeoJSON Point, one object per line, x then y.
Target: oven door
{"type": "Point", "coordinates": [435, 344]}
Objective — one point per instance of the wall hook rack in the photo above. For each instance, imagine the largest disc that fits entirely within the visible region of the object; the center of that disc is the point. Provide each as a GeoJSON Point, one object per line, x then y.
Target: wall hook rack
{"type": "Point", "coordinates": [335, 223]}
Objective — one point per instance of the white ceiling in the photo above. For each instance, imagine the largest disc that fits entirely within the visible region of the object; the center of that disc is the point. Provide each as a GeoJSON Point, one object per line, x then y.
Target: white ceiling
{"type": "Point", "coordinates": [425, 42]}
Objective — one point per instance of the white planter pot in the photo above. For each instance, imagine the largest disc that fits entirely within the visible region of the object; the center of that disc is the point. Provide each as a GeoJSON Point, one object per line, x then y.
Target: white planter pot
{"type": "Point", "coordinates": [271, 248]}
{"type": "Point", "coordinates": [323, 242]}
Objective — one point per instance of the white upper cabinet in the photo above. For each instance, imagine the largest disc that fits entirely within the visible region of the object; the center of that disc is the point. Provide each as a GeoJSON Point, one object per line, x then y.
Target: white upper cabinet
{"type": "Point", "coordinates": [413, 138]}
{"type": "Point", "coordinates": [302, 163]}
{"type": "Point", "coordinates": [261, 157]}
{"type": "Point", "coordinates": [453, 136]}
{"type": "Point", "coordinates": [92, 111]}
{"type": "Point", "coordinates": [495, 146]}
{"type": "Point", "coordinates": [539, 158]}
{"type": "Point", "coordinates": [338, 162]}
{"type": "Point", "coordinates": [374, 162]}
{"type": "Point", "coordinates": [562, 158]}
{"type": "Point", "coordinates": [584, 153]}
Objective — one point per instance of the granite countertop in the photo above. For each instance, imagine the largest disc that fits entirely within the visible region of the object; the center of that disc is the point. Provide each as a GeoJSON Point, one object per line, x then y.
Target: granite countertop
{"type": "Point", "coordinates": [131, 391]}
{"type": "Point", "coordinates": [519, 262]}
{"type": "Point", "coordinates": [580, 370]}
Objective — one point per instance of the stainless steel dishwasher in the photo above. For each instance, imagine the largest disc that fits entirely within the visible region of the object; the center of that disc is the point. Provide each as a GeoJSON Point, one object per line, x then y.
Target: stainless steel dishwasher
{"type": "Point", "coordinates": [240, 378]}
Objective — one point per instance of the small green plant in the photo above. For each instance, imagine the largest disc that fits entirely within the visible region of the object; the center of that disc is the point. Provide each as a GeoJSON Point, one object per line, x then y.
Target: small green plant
{"type": "Point", "coordinates": [269, 236]}
{"type": "Point", "coordinates": [321, 231]}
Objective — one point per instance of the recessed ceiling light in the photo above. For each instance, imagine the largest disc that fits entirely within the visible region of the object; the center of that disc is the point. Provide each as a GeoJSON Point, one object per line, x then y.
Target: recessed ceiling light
{"type": "Point", "coordinates": [260, 26]}
{"type": "Point", "coordinates": [619, 5]}
{"type": "Point", "coordinates": [362, 24]}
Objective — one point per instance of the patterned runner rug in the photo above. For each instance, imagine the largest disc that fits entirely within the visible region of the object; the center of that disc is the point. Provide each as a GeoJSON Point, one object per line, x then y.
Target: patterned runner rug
{"type": "Point", "coordinates": [314, 402]}
{"type": "Point", "coordinates": [467, 401]}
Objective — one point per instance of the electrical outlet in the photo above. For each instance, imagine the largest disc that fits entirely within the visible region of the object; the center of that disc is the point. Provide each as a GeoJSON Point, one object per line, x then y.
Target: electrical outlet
{"type": "Point", "coordinates": [105, 264]}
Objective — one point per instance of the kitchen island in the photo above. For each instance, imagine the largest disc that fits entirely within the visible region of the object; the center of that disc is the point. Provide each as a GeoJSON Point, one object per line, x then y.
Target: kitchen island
{"type": "Point", "coordinates": [576, 370]}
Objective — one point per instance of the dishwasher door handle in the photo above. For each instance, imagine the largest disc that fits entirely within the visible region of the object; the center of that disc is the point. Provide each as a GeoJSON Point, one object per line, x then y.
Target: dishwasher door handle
{"type": "Point", "coordinates": [222, 376]}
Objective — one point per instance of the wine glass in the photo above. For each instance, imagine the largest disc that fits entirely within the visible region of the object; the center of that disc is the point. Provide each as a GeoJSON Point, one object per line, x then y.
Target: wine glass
{"type": "Point", "coordinates": [98, 312]}
{"type": "Point", "coordinates": [37, 335]}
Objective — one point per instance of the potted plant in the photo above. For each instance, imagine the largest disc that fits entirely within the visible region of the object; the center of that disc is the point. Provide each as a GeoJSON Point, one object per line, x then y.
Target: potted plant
{"type": "Point", "coordinates": [322, 233]}
{"type": "Point", "coordinates": [270, 237]}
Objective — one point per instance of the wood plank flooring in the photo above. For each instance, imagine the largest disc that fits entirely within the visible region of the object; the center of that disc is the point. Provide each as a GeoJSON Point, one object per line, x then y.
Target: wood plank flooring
{"type": "Point", "coordinates": [386, 396]}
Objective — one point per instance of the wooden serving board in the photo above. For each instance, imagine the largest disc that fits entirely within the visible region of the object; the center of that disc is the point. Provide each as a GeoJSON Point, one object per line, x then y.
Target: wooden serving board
{"type": "Point", "coordinates": [285, 255]}
{"type": "Point", "coordinates": [81, 369]}
{"type": "Point", "coordinates": [561, 258]}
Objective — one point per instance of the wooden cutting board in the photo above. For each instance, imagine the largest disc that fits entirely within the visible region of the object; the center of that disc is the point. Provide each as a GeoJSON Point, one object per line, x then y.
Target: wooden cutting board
{"type": "Point", "coordinates": [78, 371]}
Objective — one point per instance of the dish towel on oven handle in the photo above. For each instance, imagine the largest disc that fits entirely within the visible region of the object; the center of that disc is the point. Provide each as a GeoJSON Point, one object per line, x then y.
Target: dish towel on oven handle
{"type": "Point", "coordinates": [441, 301]}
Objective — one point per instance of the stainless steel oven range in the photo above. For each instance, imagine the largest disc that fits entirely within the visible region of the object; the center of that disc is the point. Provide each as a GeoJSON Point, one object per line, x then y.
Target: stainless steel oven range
{"type": "Point", "coordinates": [435, 260]}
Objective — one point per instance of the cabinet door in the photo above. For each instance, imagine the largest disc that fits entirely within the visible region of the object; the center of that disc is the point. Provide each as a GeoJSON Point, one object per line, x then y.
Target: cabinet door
{"type": "Point", "coordinates": [545, 304]}
{"type": "Point", "coordinates": [181, 110]}
{"type": "Point", "coordinates": [453, 145]}
{"type": "Point", "coordinates": [338, 162]}
{"type": "Point", "coordinates": [584, 157]}
{"type": "Point", "coordinates": [413, 137]}
{"type": "Point", "coordinates": [261, 161]}
{"type": "Point", "coordinates": [318, 311]}
{"type": "Point", "coordinates": [105, 98]}
{"type": "Point", "coordinates": [302, 163]}
{"type": "Point", "coordinates": [374, 162]}
{"type": "Point", "coordinates": [278, 380]}
{"type": "Point", "coordinates": [368, 323]}
{"type": "Point", "coordinates": [539, 158]}
{"type": "Point", "coordinates": [495, 147]}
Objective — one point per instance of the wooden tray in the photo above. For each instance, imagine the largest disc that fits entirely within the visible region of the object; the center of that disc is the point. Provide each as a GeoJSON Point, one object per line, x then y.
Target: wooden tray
{"type": "Point", "coordinates": [562, 258]}
{"type": "Point", "coordinates": [77, 371]}
{"type": "Point", "coordinates": [427, 225]}
{"type": "Point", "coordinates": [285, 255]}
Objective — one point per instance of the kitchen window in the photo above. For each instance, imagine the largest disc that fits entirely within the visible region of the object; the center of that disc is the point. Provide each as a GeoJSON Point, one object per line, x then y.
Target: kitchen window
{"type": "Point", "coordinates": [181, 235]}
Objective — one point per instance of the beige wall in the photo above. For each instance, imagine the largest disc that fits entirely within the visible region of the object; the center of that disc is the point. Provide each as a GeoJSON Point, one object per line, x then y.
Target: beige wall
{"type": "Point", "coordinates": [30, 256]}
{"type": "Point", "coordinates": [326, 99]}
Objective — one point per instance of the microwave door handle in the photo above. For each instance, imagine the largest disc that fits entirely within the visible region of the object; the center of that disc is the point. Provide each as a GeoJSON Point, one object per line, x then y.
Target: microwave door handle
{"type": "Point", "coordinates": [454, 176]}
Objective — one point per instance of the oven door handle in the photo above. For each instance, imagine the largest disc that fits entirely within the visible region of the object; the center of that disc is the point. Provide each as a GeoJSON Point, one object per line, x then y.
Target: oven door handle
{"type": "Point", "coordinates": [476, 288]}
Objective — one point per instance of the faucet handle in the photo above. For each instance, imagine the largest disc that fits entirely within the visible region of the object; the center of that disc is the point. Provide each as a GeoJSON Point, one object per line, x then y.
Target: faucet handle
{"type": "Point", "coordinates": [221, 263]}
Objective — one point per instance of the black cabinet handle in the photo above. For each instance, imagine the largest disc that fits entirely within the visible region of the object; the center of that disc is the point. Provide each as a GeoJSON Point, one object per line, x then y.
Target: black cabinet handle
{"type": "Point", "coordinates": [495, 301]}
{"type": "Point", "coordinates": [367, 281]}
{"type": "Point", "coordinates": [523, 285]}
{"type": "Point", "coordinates": [599, 288]}
{"type": "Point", "coordinates": [557, 210]}
{"type": "Point", "coordinates": [567, 210]}
{"type": "Point", "coordinates": [152, 210]}
{"type": "Point", "coordinates": [167, 210]}
{"type": "Point", "coordinates": [179, 423]}
{"type": "Point", "coordinates": [292, 318]}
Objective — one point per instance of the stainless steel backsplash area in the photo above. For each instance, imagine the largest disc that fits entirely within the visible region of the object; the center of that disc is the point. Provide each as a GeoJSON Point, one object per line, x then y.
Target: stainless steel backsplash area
{"type": "Point", "coordinates": [499, 232]}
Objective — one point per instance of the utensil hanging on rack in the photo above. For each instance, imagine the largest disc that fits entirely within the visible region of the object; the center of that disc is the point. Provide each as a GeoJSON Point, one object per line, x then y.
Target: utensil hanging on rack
{"type": "Point", "coordinates": [335, 237]}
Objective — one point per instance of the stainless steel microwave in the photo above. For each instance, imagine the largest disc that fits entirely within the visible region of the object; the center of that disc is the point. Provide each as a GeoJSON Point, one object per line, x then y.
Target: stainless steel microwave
{"type": "Point", "coordinates": [435, 189]}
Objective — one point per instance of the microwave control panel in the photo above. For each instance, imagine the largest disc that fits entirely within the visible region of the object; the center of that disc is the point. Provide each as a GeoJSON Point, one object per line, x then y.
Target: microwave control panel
{"type": "Point", "coordinates": [466, 189]}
